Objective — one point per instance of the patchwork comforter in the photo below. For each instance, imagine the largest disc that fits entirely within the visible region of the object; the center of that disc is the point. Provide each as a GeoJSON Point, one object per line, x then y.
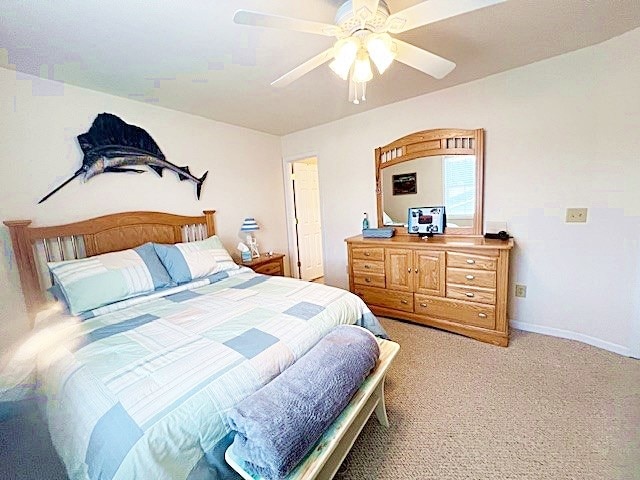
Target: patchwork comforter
{"type": "Point", "coordinates": [141, 389]}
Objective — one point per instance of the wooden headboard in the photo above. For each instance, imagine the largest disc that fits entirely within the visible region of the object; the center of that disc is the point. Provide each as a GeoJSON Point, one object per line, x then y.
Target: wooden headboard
{"type": "Point", "coordinates": [34, 246]}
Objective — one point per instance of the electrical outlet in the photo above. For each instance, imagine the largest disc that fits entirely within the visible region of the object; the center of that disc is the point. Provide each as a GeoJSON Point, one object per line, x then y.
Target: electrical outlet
{"type": "Point", "coordinates": [576, 215]}
{"type": "Point", "coordinates": [521, 291]}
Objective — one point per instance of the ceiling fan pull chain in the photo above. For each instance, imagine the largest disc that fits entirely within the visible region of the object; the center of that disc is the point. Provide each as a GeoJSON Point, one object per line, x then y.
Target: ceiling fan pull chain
{"type": "Point", "coordinates": [355, 93]}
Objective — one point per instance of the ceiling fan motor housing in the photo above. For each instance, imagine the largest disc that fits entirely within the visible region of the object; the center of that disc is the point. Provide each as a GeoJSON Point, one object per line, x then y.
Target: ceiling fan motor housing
{"type": "Point", "coordinates": [350, 23]}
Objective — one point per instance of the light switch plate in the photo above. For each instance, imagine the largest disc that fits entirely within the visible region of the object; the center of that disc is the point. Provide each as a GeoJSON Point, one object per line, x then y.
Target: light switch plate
{"type": "Point", "coordinates": [576, 215]}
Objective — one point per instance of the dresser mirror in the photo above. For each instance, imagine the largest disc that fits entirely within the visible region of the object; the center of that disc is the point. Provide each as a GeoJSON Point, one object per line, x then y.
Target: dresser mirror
{"type": "Point", "coordinates": [432, 168]}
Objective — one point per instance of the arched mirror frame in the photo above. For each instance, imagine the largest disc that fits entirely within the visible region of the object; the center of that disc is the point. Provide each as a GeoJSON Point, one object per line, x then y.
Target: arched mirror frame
{"type": "Point", "coordinates": [428, 143]}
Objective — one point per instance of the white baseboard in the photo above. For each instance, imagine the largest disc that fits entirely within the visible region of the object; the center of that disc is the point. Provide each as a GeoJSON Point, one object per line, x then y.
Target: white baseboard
{"type": "Point", "coordinates": [557, 332]}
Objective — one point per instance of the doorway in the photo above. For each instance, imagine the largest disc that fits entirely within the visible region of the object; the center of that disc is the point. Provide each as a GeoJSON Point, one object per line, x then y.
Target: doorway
{"type": "Point", "coordinates": [307, 226]}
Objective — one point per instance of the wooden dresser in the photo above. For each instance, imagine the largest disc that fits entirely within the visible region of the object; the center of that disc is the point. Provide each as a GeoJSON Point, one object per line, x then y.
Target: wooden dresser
{"type": "Point", "coordinates": [456, 283]}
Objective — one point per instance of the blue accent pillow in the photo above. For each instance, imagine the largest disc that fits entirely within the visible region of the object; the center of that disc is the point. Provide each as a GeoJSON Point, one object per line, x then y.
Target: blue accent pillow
{"type": "Point", "coordinates": [192, 260]}
{"type": "Point", "coordinates": [159, 274]}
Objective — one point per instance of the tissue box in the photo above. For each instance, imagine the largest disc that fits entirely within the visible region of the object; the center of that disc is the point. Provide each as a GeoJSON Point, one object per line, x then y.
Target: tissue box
{"type": "Point", "coordinates": [385, 232]}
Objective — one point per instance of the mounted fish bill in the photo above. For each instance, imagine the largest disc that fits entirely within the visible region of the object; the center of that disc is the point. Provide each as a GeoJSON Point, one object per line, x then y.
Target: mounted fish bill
{"type": "Point", "coordinates": [111, 145]}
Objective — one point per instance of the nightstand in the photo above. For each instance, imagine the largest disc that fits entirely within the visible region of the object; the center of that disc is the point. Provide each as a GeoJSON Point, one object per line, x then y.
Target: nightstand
{"type": "Point", "coordinates": [267, 264]}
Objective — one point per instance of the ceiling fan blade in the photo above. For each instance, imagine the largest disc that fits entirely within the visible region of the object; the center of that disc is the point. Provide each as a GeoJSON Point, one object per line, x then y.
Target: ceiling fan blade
{"type": "Point", "coordinates": [363, 9]}
{"type": "Point", "coordinates": [246, 17]}
{"type": "Point", "coordinates": [433, 11]}
{"type": "Point", "coordinates": [303, 69]}
{"type": "Point", "coordinates": [420, 59]}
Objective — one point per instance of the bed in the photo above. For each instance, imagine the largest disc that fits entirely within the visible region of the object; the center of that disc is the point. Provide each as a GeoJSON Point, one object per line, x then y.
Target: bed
{"type": "Point", "coordinates": [139, 388]}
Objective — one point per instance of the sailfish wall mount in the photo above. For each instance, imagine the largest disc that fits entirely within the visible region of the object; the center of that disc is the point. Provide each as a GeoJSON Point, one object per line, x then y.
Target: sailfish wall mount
{"type": "Point", "coordinates": [111, 145]}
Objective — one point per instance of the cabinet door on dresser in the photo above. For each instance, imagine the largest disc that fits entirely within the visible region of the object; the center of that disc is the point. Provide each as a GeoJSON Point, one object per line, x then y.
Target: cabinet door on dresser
{"type": "Point", "coordinates": [399, 269]}
{"type": "Point", "coordinates": [430, 269]}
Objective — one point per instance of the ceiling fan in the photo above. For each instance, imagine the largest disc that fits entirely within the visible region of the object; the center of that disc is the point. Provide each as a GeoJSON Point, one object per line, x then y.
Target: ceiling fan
{"type": "Point", "coordinates": [363, 29]}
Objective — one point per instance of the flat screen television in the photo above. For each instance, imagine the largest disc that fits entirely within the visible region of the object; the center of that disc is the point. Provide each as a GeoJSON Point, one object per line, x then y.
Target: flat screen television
{"type": "Point", "coordinates": [426, 220]}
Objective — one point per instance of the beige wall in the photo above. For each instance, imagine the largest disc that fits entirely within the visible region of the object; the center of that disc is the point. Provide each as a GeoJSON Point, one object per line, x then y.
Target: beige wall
{"type": "Point", "coordinates": [559, 133]}
{"type": "Point", "coordinates": [38, 150]}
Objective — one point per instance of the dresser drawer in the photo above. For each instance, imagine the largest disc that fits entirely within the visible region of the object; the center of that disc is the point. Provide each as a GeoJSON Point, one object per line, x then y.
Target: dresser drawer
{"type": "Point", "coordinates": [466, 313]}
{"type": "Point", "coordinates": [368, 266]}
{"type": "Point", "coordinates": [471, 294]}
{"type": "Point", "coordinates": [472, 278]}
{"type": "Point", "coordinates": [369, 279]}
{"type": "Point", "coordinates": [363, 253]}
{"type": "Point", "coordinates": [385, 298]}
{"type": "Point", "coordinates": [465, 260]}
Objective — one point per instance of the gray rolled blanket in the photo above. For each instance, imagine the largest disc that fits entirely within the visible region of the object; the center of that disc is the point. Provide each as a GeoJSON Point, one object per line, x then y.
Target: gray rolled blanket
{"type": "Point", "coordinates": [277, 425]}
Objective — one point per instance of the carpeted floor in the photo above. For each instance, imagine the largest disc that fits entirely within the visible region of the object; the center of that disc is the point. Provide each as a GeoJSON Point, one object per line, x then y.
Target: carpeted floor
{"type": "Point", "coordinates": [26, 452]}
{"type": "Point", "coordinates": [544, 408]}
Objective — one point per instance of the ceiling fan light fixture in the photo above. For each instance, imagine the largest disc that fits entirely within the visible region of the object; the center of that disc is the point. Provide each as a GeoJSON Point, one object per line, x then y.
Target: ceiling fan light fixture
{"type": "Point", "coordinates": [345, 53]}
{"type": "Point", "coordinates": [382, 51]}
{"type": "Point", "coordinates": [362, 30]}
{"type": "Point", "coordinates": [339, 69]}
{"type": "Point", "coordinates": [362, 67]}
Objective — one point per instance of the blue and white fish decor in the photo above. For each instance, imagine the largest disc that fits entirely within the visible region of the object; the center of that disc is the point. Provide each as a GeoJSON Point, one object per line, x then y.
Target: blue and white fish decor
{"type": "Point", "coordinates": [111, 144]}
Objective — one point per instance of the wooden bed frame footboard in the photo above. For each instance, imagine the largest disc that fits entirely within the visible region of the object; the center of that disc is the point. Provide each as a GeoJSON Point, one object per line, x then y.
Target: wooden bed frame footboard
{"type": "Point", "coordinates": [32, 246]}
{"type": "Point", "coordinates": [325, 458]}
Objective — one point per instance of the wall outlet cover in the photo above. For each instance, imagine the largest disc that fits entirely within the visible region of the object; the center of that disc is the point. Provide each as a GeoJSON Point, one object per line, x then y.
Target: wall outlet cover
{"type": "Point", "coordinates": [521, 291]}
{"type": "Point", "coordinates": [576, 215]}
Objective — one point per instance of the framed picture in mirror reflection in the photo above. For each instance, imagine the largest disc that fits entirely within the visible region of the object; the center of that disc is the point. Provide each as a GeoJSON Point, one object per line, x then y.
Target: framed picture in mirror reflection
{"type": "Point", "coordinates": [404, 183]}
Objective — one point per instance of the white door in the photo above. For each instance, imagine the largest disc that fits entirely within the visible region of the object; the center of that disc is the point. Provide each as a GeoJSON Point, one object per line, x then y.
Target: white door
{"type": "Point", "coordinates": [307, 208]}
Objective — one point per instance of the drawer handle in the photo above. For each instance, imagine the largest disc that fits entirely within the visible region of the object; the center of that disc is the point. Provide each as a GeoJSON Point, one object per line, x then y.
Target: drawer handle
{"type": "Point", "coordinates": [470, 261]}
{"type": "Point", "coordinates": [367, 254]}
{"type": "Point", "coordinates": [404, 302]}
{"type": "Point", "coordinates": [470, 295]}
{"type": "Point", "coordinates": [368, 280]}
{"type": "Point", "coordinates": [470, 277]}
{"type": "Point", "coordinates": [423, 305]}
{"type": "Point", "coordinates": [409, 270]}
{"type": "Point", "coordinates": [482, 315]}
{"type": "Point", "coordinates": [367, 267]}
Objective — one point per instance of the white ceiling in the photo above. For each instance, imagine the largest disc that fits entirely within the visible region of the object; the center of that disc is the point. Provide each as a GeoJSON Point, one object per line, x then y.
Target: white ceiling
{"type": "Point", "coordinates": [190, 56]}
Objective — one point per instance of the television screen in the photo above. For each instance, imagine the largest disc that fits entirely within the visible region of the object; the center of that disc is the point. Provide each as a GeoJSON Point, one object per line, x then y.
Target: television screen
{"type": "Point", "coordinates": [426, 220]}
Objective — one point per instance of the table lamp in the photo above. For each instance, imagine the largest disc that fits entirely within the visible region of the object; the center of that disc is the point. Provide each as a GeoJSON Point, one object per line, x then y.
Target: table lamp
{"type": "Point", "coordinates": [248, 226]}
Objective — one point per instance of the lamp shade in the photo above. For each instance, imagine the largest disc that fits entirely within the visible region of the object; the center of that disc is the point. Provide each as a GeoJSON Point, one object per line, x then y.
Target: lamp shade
{"type": "Point", "coordinates": [345, 53]}
{"type": "Point", "coordinates": [362, 68]}
{"type": "Point", "coordinates": [381, 50]}
{"type": "Point", "coordinates": [249, 225]}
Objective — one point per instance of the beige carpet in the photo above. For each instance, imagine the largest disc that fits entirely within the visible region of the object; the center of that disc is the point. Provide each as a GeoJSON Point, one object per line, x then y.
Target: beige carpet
{"type": "Point", "coordinates": [543, 408]}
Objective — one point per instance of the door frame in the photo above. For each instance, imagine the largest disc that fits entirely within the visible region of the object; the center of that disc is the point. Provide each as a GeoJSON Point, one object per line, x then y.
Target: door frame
{"type": "Point", "coordinates": [289, 211]}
